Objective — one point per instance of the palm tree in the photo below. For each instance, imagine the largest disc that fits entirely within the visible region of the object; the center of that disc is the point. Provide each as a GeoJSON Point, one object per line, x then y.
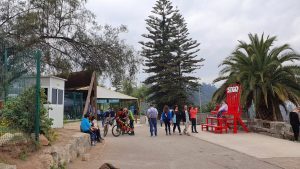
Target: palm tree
{"type": "Point", "coordinates": [269, 76]}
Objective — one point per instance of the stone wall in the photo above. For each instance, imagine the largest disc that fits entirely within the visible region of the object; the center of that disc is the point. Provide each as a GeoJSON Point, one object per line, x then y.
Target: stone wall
{"type": "Point", "coordinates": [6, 166]}
{"type": "Point", "coordinates": [272, 128]}
{"type": "Point", "coordinates": [61, 155]}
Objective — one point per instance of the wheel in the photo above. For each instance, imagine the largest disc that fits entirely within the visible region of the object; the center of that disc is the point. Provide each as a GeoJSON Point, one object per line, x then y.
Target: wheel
{"type": "Point", "coordinates": [116, 131]}
{"type": "Point", "coordinates": [105, 130]}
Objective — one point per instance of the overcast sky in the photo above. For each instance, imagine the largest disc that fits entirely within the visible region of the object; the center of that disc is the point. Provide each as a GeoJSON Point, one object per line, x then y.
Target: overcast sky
{"type": "Point", "coordinates": [216, 24]}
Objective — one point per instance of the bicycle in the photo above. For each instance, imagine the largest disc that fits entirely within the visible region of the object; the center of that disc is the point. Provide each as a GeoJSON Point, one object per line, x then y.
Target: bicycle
{"type": "Point", "coordinates": [107, 123]}
{"type": "Point", "coordinates": [121, 127]}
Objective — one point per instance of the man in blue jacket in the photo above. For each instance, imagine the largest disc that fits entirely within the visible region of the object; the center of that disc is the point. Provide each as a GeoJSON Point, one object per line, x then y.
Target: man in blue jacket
{"type": "Point", "coordinates": [86, 127]}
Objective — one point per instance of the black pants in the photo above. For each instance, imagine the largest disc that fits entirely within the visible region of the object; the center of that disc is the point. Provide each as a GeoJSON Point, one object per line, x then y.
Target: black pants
{"type": "Point", "coordinates": [98, 134]}
{"type": "Point", "coordinates": [296, 131]}
{"type": "Point", "coordinates": [131, 124]}
{"type": "Point", "coordinates": [167, 126]}
{"type": "Point", "coordinates": [177, 124]}
{"type": "Point", "coordinates": [193, 124]}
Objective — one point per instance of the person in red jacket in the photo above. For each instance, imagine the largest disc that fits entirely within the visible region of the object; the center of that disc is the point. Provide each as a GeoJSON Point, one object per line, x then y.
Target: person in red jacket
{"type": "Point", "coordinates": [193, 114]}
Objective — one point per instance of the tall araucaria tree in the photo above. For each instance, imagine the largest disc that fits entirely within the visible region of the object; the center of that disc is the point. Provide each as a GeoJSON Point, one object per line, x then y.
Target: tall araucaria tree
{"type": "Point", "coordinates": [171, 56]}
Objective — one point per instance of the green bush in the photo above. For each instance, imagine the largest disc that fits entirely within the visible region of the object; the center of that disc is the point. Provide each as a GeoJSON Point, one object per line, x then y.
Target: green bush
{"type": "Point", "coordinates": [19, 112]}
{"type": "Point", "coordinates": [207, 108]}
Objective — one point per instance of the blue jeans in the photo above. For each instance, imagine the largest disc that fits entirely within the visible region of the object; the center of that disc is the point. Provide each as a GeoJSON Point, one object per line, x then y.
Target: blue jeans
{"type": "Point", "coordinates": [220, 113]}
{"type": "Point", "coordinates": [92, 135]}
{"type": "Point", "coordinates": [153, 126]}
{"type": "Point", "coordinates": [103, 121]}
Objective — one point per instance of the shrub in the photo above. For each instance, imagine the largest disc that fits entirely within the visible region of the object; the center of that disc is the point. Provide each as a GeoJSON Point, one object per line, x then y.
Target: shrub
{"type": "Point", "coordinates": [19, 112]}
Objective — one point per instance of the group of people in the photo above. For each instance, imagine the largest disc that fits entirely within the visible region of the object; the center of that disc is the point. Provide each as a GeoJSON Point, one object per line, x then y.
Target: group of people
{"type": "Point", "coordinates": [88, 126]}
{"type": "Point", "coordinates": [88, 122]}
{"type": "Point", "coordinates": [175, 117]}
{"type": "Point", "coordinates": [103, 116]}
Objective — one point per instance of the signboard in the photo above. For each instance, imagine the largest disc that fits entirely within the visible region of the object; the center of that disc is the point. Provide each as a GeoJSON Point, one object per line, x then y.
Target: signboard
{"type": "Point", "coordinates": [113, 100]}
{"type": "Point", "coordinates": [102, 101]}
{"type": "Point", "coordinates": [106, 101]}
{"type": "Point", "coordinates": [233, 89]}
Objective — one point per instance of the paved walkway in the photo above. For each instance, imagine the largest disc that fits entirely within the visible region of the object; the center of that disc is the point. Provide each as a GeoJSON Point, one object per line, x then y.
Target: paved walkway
{"type": "Point", "coordinates": [257, 145]}
{"type": "Point", "coordinates": [172, 152]}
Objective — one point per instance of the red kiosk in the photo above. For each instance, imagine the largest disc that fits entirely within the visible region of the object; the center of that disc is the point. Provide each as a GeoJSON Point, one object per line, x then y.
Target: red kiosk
{"type": "Point", "coordinates": [232, 117]}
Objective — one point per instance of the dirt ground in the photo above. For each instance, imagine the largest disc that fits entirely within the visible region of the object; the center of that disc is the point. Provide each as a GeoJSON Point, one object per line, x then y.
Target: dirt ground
{"type": "Point", "coordinates": [24, 156]}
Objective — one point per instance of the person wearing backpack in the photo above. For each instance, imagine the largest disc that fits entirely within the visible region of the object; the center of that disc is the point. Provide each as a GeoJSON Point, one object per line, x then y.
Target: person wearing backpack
{"type": "Point", "coordinates": [167, 117]}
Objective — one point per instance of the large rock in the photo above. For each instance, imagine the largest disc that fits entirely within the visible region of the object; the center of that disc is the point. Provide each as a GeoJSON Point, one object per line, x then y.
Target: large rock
{"type": "Point", "coordinates": [6, 166]}
{"type": "Point", "coordinates": [43, 140]}
{"type": "Point", "coordinates": [6, 138]}
{"type": "Point", "coordinates": [85, 157]}
{"type": "Point", "coordinates": [59, 155]}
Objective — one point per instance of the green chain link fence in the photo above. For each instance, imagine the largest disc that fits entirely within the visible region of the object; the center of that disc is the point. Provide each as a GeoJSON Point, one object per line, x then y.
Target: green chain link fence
{"type": "Point", "coordinates": [18, 74]}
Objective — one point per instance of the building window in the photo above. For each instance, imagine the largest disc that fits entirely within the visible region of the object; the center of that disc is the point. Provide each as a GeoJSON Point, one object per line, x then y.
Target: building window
{"type": "Point", "coordinates": [54, 96]}
{"type": "Point", "coordinates": [46, 92]}
{"type": "Point", "coordinates": [60, 96]}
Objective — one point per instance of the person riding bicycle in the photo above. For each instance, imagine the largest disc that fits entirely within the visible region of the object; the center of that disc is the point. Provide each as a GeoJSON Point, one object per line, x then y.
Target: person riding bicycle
{"type": "Point", "coordinates": [122, 115]}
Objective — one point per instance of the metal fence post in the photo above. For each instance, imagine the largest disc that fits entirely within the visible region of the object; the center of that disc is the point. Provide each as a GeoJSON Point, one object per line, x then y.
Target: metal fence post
{"type": "Point", "coordinates": [5, 85]}
{"type": "Point", "coordinates": [37, 94]}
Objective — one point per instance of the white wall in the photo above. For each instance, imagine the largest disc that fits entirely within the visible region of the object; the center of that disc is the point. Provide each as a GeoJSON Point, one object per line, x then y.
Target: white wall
{"type": "Point", "coordinates": [56, 111]}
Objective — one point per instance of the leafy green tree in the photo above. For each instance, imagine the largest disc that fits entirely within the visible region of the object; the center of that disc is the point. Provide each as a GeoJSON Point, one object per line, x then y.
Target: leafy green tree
{"type": "Point", "coordinates": [268, 76]}
{"type": "Point", "coordinates": [170, 56]}
{"type": "Point", "coordinates": [141, 93]}
{"type": "Point", "coordinates": [127, 86]}
{"type": "Point", "coordinates": [69, 37]}
{"type": "Point", "coordinates": [208, 107]}
{"type": "Point", "coordinates": [12, 65]}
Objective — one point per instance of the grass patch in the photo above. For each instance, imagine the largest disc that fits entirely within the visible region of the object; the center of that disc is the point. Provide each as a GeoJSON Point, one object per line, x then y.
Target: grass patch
{"type": "Point", "coordinates": [3, 161]}
{"type": "Point", "coordinates": [23, 155]}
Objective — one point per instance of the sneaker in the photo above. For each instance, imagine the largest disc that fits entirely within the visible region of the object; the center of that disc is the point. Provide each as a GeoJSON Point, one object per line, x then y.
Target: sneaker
{"type": "Point", "coordinates": [93, 143]}
{"type": "Point", "coordinates": [180, 134]}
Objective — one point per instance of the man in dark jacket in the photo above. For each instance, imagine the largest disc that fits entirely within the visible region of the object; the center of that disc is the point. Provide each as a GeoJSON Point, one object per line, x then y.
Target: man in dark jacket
{"type": "Point", "coordinates": [294, 120]}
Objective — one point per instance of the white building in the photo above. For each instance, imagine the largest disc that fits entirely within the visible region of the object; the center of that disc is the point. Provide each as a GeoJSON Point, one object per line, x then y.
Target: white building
{"type": "Point", "coordinates": [55, 89]}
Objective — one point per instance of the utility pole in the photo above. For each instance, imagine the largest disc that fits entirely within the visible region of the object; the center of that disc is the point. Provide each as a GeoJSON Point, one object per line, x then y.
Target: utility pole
{"type": "Point", "coordinates": [200, 101]}
{"type": "Point", "coordinates": [5, 76]}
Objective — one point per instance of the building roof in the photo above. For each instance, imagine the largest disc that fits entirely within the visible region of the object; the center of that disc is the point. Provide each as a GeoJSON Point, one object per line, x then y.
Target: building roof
{"type": "Point", "coordinates": [77, 80]}
{"type": "Point", "coordinates": [54, 77]}
{"type": "Point", "coordinates": [103, 93]}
